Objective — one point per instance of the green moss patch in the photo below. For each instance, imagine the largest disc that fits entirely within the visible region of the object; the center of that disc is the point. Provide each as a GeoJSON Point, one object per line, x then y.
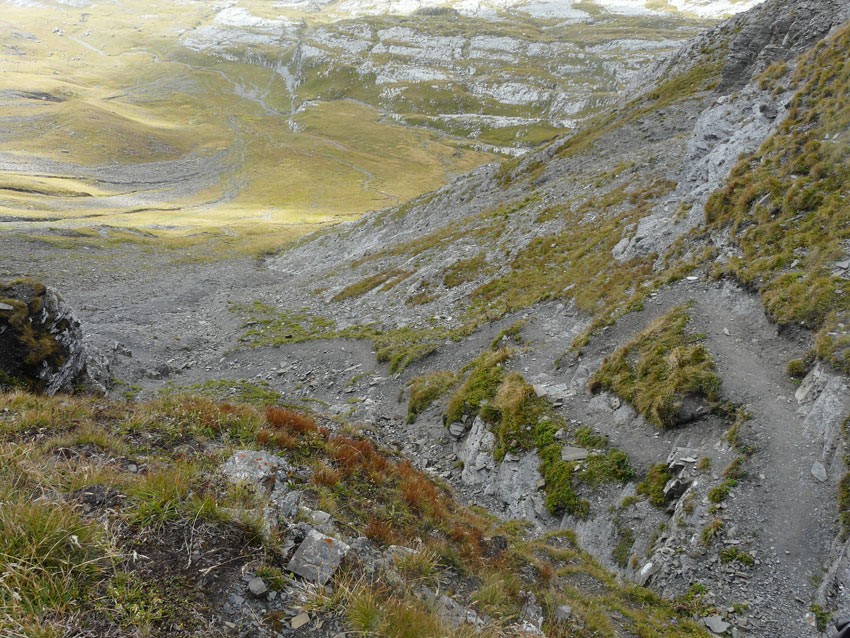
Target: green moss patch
{"type": "Point", "coordinates": [652, 486]}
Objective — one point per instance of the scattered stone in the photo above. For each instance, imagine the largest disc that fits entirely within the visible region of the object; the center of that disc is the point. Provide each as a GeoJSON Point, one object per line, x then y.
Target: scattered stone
{"type": "Point", "coordinates": [563, 612]}
{"type": "Point", "coordinates": [715, 624]}
{"type": "Point", "coordinates": [452, 612]}
{"type": "Point", "coordinates": [819, 471]}
{"type": "Point", "coordinates": [300, 620]}
{"type": "Point", "coordinates": [570, 453]}
{"type": "Point", "coordinates": [317, 558]}
{"type": "Point", "coordinates": [531, 611]}
{"type": "Point", "coordinates": [258, 587]}
{"type": "Point", "coordinates": [457, 430]}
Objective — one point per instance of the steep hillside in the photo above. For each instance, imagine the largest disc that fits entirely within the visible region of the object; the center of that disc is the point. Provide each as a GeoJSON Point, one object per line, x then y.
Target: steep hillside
{"type": "Point", "coordinates": [632, 337]}
{"type": "Point", "coordinates": [724, 180]}
{"type": "Point", "coordinates": [185, 517]}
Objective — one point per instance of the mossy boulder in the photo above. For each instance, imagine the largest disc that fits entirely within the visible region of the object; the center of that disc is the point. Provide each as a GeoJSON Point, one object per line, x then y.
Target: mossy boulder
{"type": "Point", "coordinates": [41, 345]}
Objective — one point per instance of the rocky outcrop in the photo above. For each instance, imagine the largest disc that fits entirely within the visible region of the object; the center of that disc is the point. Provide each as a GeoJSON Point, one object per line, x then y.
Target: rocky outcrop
{"type": "Point", "coordinates": [508, 480]}
{"type": "Point", "coordinates": [41, 342]}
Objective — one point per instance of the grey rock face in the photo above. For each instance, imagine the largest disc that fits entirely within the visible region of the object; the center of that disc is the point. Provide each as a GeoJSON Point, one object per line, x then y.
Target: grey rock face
{"type": "Point", "coordinates": [265, 473]}
{"type": "Point", "coordinates": [41, 341]}
{"type": "Point", "coordinates": [318, 557]}
{"type": "Point", "coordinates": [255, 467]}
{"type": "Point", "coordinates": [512, 481]}
{"type": "Point", "coordinates": [477, 454]}
{"type": "Point", "coordinates": [823, 397]}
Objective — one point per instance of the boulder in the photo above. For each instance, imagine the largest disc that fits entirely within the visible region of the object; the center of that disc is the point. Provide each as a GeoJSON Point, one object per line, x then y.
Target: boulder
{"type": "Point", "coordinates": [41, 342]}
{"type": "Point", "coordinates": [318, 557]}
{"type": "Point", "coordinates": [716, 624]}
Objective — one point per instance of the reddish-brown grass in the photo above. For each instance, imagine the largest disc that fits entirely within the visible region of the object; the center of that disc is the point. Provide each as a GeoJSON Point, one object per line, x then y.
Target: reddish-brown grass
{"type": "Point", "coordinates": [379, 531]}
{"type": "Point", "coordinates": [325, 475]}
{"type": "Point", "coordinates": [467, 538]}
{"type": "Point", "coordinates": [264, 436]}
{"type": "Point", "coordinates": [283, 418]}
{"type": "Point", "coordinates": [284, 441]}
{"type": "Point", "coordinates": [358, 454]}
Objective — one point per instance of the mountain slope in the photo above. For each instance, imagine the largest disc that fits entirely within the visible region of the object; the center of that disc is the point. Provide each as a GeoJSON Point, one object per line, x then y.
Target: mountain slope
{"type": "Point", "coordinates": [603, 335]}
{"type": "Point", "coordinates": [719, 173]}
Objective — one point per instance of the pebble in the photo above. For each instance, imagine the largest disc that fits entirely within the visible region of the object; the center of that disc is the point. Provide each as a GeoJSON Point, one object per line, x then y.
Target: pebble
{"type": "Point", "coordinates": [257, 586]}
{"type": "Point", "coordinates": [300, 620]}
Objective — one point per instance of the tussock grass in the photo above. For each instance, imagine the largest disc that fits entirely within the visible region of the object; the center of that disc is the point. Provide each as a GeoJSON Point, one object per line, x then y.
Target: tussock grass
{"type": "Point", "coordinates": [785, 205]}
{"type": "Point", "coordinates": [658, 368]}
{"type": "Point", "coordinates": [426, 389]}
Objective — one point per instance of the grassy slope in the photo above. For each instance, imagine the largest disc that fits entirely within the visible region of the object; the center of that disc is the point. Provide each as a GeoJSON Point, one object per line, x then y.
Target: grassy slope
{"type": "Point", "coordinates": [67, 557]}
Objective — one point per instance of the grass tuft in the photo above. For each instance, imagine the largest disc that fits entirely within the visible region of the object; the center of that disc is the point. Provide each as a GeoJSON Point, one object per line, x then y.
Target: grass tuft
{"type": "Point", "coordinates": [659, 368]}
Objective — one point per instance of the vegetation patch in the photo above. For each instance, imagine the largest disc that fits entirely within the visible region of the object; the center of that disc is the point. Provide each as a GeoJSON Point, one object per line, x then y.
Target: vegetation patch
{"type": "Point", "coordinates": [464, 271]}
{"type": "Point", "coordinates": [426, 389]}
{"type": "Point", "coordinates": [737, 555]}
{"type": "Point", "coordinates": [652, 486]}
{"type": "Point", "coordinates": [484, 376]}
{"type": "Point", "coordinates": [659, 368]}
{"type": "Point", "coordinates": [386, 278]}
{"type": "Point", "coordinates": [399, 347]}
{"type": "Point", "coordinates": [786, 207]}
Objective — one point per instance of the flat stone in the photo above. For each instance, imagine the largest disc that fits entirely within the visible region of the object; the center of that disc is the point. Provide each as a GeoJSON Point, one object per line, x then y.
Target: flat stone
{"type": "Point", "coordinates": [315, 517]}
{"type": "Point", "coordinates": [251, 466]}
{"type": "Point", "coordinates": [457, 430]}
{"type": "Point", "coordinates": [5, 306]}
{"type": "Point", "coordinates": [300, 620]}
{"type": "Point", "coordinates": [819, 471]}
{"type": "Point", "coordinates": [257, 586]}
{"type": "Point", "coordinates": [317, 558]}
{"type": "Point", "coordinates": [570, 453]}
{"type": "Point", "coordinates": [715, 624]}
{"type": "Point", "coordinates": [398, 552]}
{"type": "Point", "coordinates": [563, 612]}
